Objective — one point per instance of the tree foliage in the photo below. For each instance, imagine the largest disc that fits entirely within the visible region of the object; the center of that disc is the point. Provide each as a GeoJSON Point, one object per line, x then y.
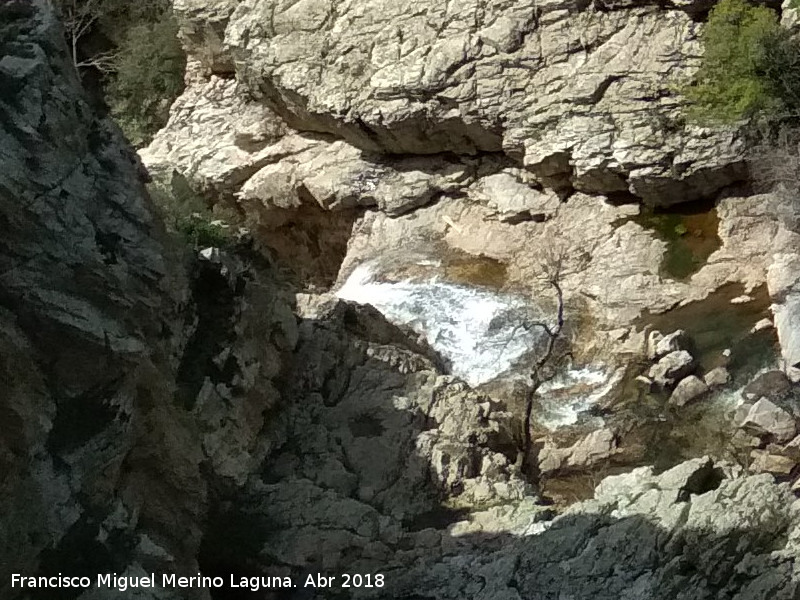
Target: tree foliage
{"type": "Point", "coordinates": [750, 65]}
{"type": "Point", "coordinates": [134, 48]}
{"type": "Point", "coordinates": [187, 216]}
{"type": "Point", "coordinates": [148, 77]}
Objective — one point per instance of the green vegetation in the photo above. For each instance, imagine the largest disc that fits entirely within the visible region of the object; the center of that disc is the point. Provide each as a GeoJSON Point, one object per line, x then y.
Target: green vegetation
{"type": "Point", "coordinates": [129, 50]}
{"type": "Point", "coordinates": [186, 215]}
{"type": "Point", "coordinates": [148, 77]}
{"type": "Point", "coordinates": [750, 66]}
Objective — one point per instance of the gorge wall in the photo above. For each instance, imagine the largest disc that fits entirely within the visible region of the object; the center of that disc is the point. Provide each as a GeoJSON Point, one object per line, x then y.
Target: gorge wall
{"type": "Point", "coordinates": [174, 411]}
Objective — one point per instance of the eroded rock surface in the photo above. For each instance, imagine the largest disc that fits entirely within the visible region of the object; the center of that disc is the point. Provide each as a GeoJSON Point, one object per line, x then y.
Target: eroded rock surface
{"type": "Point", "coordinates": [468, 127]}
{"type": "Point", "coordinates": [89, 329]}
{"type": "Point", "coordinates": [166, 419]}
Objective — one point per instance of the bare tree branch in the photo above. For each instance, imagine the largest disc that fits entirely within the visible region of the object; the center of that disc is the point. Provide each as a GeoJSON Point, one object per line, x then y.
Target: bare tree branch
{"type": "Point", "coordinates": [547, 364]}
{"type": "Point", "coordinates": [105, 62]}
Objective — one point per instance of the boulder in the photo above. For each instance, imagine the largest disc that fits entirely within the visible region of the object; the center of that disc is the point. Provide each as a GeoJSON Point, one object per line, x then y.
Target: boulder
{"type": "Point", "coordinates": [673, 342]}
{"type": "Point", "coordinates": [593, 448]}
{"type": "Point", "coordinates": [515, 199]}
{"type": "Point", "coordinates": [783, 281]}
{"type": "Point", "coordinates": [688, 389]}
{"type": "Point", "coordinates": [694, 476]}
{"type": "Point", "coordinates": [671, 368]}
{"type": "Point", "coordinates": [653, 339]}
{"type": "Point", "coordinates": [717, 377]}
{"type": "Point", "coordinates": [765, 419]}
{"type": "Point", "coordinates": [764, 462]}
{"type": "Point", "coordinates": [773, 385]}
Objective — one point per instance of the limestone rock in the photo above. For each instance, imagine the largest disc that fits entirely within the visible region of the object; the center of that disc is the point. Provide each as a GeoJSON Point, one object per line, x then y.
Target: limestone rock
{"type": "Point", "coordinates": [761, 326]}
{"type": "Point", "coordinates": [598, 445]}
{"type": "Point", "coordinates": [784, 289]}
{"type": "Point", "coordinates": [653, 338]}
{"type": "Point", "coordinates": [766, 419]}
{"type": "Point", "coordinates": [717, 377]}
{"type": "Point", "coordinates": [216, 135]}
{"type": "Point", "coordinates": [772, 384]}
{"type": "Point", "coordinates": [515, 200]}
{"type": "Point", "coordinates": [91, 328]}
{"type": "Point", "coordinates": [659, 345]}
{"type": "Point", "coordinates": [591, 449]}
{"type": "Point", "coordinates": [689, 389]}
{"type": "Point", "coordinates": [671, 368]}
{"type": "Point", "coordinates": [578, 113]}
{"type": "Point", "coordinates": [202, 31]}
{"type": "Point", "coordinates": [673, 342]}
{"type": "Point", "coordinates": [764, 462]}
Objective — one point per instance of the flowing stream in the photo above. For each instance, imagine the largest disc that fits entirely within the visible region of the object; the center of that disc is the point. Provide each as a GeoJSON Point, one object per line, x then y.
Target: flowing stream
{"type": "Point", "coordinates": [479, 331]}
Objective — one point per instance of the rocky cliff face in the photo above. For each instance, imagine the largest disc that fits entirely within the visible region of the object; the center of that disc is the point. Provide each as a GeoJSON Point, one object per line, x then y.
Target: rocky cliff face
{"type": "Point", "coordinates": [106, 340]}
{"type": "Point", "coordinates": [343, 129]}
{"type": "Point", "coordinates": [166, 412]}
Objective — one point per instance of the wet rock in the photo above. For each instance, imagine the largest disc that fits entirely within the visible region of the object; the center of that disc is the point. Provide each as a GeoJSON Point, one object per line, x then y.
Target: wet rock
{"type": "Point", "coordinates": [673, 342]}
{"type": "Point", "coordinates": [717, 377]}
{"type": "Point", "coordinates": [764, 462]}
{"type": "Point", "coordinates": [765, 419]}
{"type": "Point", "coordinates": [761, 326]}
{"type": "Point", "coordinates": [774, 385]}
{"type": "Point", "coordinates": [671, 368]}
{"type": "Point", "coordinates": [689, 389]}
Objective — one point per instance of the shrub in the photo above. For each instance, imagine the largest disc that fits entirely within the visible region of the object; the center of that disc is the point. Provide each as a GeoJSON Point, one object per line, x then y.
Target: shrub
{"type": "Point", "coordinates": [750, 66]}
{"type": "Point", "coordinates": [148, 77]}
{"type": "Point", "coordinates": [186, 215]}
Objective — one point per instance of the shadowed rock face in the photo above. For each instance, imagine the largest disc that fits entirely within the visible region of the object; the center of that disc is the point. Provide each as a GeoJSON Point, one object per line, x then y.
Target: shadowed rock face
{"type": "Point", "coordinates": [88, 325]}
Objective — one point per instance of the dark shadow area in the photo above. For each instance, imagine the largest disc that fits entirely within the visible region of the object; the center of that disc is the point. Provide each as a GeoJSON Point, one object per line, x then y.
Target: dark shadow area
{"type": "Point", "coordinates": [214, 307]}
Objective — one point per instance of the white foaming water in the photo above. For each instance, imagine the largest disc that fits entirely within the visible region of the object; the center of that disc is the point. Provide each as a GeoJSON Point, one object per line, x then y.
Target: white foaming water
{"type": "Point", "coordinates": [476, 330]}
{"type": "Point", "coordinates": [583, 387]}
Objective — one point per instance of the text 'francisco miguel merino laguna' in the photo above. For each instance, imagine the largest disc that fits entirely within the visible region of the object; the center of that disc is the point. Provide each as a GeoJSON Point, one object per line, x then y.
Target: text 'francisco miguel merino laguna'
{"type": "Point", "coordinates": [126, 582]}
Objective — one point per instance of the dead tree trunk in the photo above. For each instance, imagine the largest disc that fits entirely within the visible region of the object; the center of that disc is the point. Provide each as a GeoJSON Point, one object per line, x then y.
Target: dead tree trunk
{"type": "Point", "coordinates": [546, 366]}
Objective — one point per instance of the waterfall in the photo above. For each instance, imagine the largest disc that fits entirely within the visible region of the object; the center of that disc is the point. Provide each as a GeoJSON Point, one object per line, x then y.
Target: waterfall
{"type": "Point", "coordinates": [478, 330]}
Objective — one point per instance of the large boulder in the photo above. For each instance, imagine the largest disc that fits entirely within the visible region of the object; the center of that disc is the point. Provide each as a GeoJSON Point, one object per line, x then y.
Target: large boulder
{"type": "Point", "coordinates": [688, 390]}
{"type": "Point", "coordinates": [765, 419]}
{"type": "Point", "coordinates": [671, 368]}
